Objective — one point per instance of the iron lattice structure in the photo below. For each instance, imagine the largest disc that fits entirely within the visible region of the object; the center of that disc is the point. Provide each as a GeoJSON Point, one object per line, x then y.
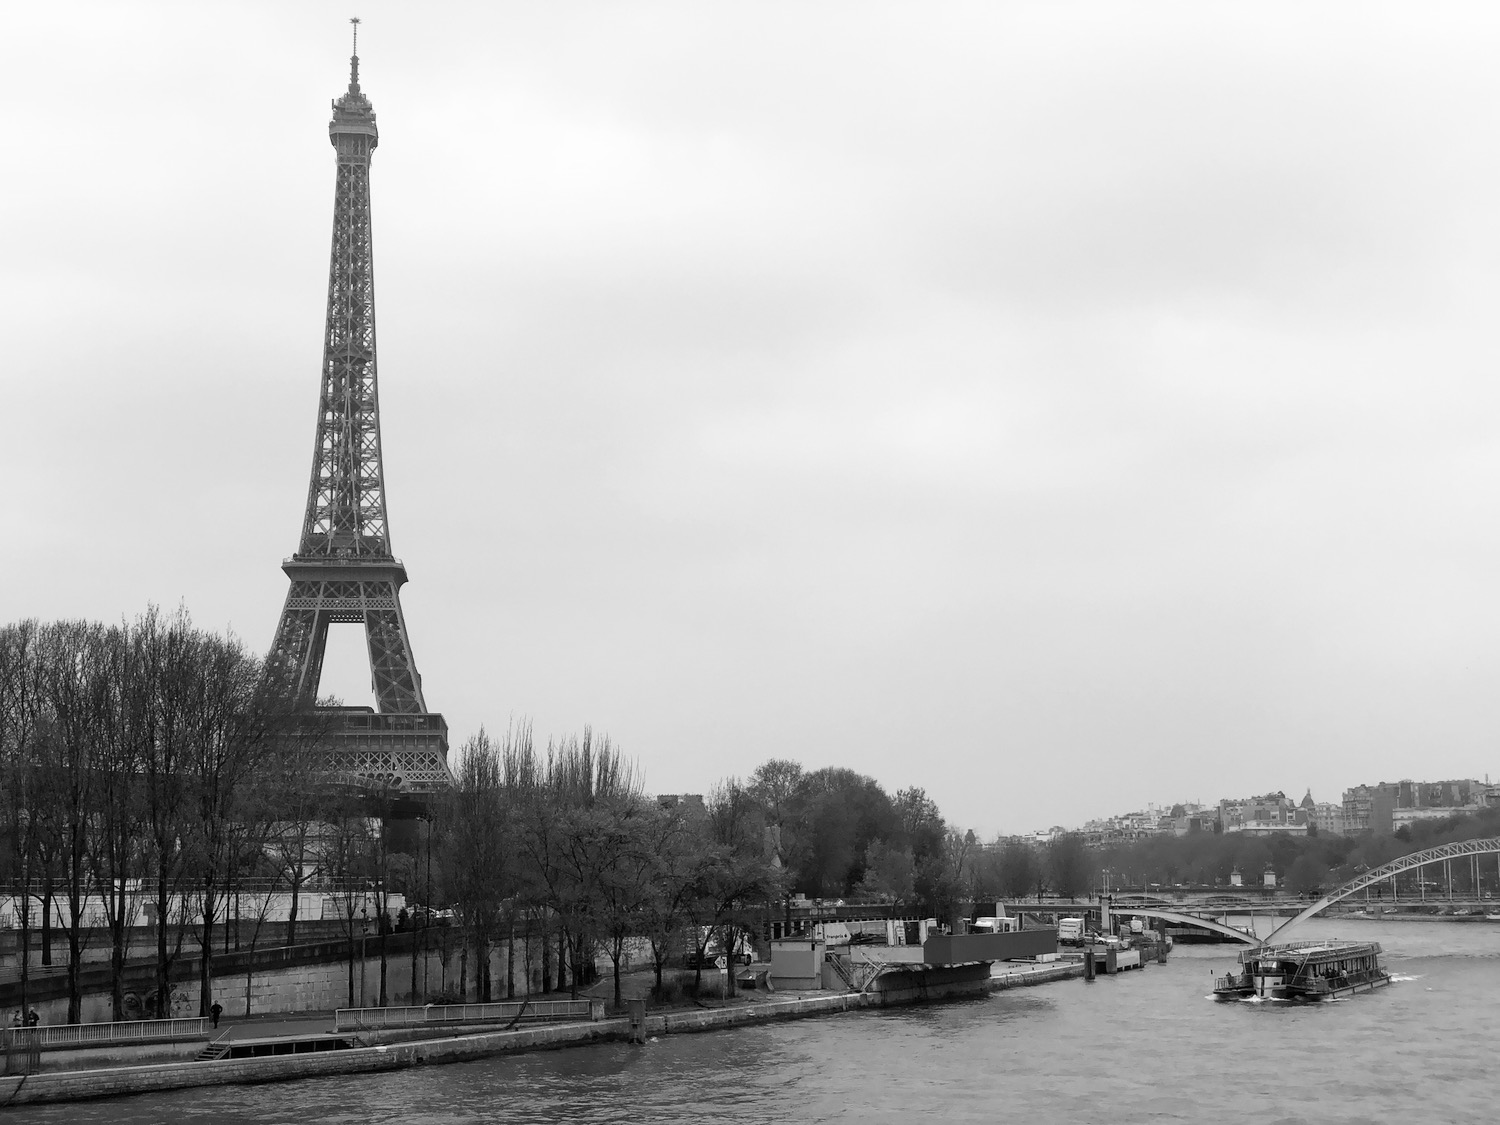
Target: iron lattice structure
{"type": "Point", "coordinates": [343, 570]}
{"type": "Point", "coordinates": [1489, 846]}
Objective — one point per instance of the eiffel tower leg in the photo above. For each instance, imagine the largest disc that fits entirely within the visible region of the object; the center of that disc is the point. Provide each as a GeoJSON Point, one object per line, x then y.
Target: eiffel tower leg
{"type": "Point", "coordinates": [296, 656]}
{"type": "Point", "coordinates": [398, 687]}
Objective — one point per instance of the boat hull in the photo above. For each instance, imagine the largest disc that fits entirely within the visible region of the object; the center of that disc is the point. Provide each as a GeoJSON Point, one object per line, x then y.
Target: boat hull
{"type": "Point", "coordinates": [1305, 971]}
{"type": "Point", "coordinates": [1266, 990]}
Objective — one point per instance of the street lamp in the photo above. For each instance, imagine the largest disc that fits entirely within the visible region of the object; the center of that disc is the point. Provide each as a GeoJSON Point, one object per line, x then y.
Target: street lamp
{"type": "Point", "coordinates": [364, 931]}
{"type": "Point", "coordinates": [427, 912]}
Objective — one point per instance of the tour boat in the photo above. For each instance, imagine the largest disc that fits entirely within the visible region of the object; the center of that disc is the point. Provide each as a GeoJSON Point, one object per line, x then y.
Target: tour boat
{"type": "Point", "coordinates": [1305, 970]}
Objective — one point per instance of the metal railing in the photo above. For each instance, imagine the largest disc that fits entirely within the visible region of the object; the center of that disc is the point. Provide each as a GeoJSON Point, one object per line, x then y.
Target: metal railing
{"type": "Point", "coordinates": [845, 972]}
{"type": "Point", "coordinates": [53, 1036]}
{"type": "Point", "coordinates": [430, 1015]}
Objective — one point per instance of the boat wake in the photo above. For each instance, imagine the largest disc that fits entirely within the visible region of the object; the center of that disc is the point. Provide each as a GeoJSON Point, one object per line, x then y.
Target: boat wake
{"type": "Point", "coordinates": [1403, 976]}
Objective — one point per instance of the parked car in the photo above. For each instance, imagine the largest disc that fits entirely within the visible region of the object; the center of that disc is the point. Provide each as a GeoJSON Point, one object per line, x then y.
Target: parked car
{"type": "Point", "coordinates": [426, 916]}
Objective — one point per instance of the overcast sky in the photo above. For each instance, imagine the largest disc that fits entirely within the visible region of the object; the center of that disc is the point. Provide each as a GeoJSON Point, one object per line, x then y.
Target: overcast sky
{"type": "Point", "coordinates": [1056, 406]}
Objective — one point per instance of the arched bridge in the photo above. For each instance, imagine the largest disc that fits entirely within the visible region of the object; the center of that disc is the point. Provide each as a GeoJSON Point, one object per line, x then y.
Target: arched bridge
{"type": "Point", "coordinates": [1389, 871]}
{"type": "Point", "coordinates": [1180, 918]}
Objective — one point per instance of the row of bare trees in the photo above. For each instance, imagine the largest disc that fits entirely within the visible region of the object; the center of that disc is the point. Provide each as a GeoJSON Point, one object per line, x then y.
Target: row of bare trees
{"type": "Point", "coordinates": [561, 850]}
{"type": "Point", "coordinates": [146, 757]}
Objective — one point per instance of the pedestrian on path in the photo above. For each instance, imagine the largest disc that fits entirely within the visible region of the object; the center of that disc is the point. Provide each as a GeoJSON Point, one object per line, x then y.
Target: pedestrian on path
{"type": "Point", "coordinates": [215, 1012]}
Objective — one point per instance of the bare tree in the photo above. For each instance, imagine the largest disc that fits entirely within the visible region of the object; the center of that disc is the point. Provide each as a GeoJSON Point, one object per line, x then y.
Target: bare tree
{"type": "Point", "coordinates": [623, 852]}
{"type": "Point", "coordinates": [117, 854]}
{"type": "Point", "coordinates": [675, 842]}
{"type": "Point", "coordinates": [20, 706]}
{"type": "Point", "coordinates": [734, 871]}
{"type": "Point", "coordinates": [478, 843]}
{"type": "Point", "coordinates": [171, 653]}
{"type": "Point", "coordinates": [76, 691]}
{"type": "Point", "coordinates": [233, 719]}
{"type": "Point", "coordinates": [346, 847]}
{"type": "Point", "coordinates": [890, 874]}
{"type": "Point", "coordinates": [289, 781]}
{"type": "Point", "coordinates": [578, 774]}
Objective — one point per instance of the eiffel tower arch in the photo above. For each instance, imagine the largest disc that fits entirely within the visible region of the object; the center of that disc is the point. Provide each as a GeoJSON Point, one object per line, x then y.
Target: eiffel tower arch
{"type": "Point", "coordinates": [344, 570]}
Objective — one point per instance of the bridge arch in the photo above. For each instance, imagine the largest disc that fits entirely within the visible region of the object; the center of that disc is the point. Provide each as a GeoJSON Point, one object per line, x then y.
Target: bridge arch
{"type": "Point", "coordinates": [1386, 871]}
{"type": "Point", "coordinates": [1184, 918]}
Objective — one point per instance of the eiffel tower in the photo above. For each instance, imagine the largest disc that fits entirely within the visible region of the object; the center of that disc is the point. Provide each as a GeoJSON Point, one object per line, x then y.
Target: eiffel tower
{"type": "Point", "coordinates": [344, 570]}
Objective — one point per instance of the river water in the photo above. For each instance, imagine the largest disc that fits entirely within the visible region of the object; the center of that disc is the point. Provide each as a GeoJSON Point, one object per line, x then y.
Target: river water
{"type": "Point", "coordinates": [1143, 1046]}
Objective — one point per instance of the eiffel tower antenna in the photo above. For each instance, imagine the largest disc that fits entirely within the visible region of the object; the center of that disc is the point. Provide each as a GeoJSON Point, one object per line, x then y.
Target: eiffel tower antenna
{"type": "Point", "coordinates": [354, 56]}
{"type": "Point", "coordinates": [343, 570]}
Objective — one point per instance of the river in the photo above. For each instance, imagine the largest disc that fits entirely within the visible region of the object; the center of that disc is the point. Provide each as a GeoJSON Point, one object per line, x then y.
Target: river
{"type": "Point", "coordinates": [1143, 1046]}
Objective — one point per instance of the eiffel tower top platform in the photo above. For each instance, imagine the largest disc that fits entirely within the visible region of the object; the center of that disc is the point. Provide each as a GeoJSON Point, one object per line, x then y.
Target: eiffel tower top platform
{"type": "Point", "coordinates": [344, 570]}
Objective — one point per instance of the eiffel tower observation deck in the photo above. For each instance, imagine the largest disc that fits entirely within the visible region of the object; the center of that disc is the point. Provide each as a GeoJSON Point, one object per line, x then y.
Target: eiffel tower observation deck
{"type": "Point", "coordinates": [344, 570]}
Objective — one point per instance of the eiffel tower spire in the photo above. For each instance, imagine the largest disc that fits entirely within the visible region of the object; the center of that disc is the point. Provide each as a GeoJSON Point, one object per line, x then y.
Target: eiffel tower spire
{"type": "Point", "coordinates": [343, 570]}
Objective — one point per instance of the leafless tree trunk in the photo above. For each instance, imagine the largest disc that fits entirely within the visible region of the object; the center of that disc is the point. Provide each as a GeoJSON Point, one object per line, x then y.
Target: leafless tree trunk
{"type": "Point", "coordinates": [20, 705]}
{"type": "Point", "coordinates": [116, 850]}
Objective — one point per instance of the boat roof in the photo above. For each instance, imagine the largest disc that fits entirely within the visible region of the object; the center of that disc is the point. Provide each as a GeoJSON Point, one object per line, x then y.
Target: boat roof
{"type": "Point", "coordinates": [1311, 952]}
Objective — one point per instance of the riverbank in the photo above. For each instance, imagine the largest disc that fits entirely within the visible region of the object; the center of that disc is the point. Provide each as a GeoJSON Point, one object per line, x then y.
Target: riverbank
{"type": "Point", "coordinates": [121, 1081]}
{"type": "Point", "coordinates": [1416, 914]}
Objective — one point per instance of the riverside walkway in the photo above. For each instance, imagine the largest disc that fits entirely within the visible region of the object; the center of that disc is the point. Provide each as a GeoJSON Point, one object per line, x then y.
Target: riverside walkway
{"type": "Point", "coordinates": [463, 1045]}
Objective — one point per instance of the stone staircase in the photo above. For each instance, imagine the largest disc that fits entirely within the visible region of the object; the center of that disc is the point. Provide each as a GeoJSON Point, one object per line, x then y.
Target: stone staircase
{"type": "Point", "coordinates": [213, 1051]}
{"type": "Point", "coordinates": [856, 975]}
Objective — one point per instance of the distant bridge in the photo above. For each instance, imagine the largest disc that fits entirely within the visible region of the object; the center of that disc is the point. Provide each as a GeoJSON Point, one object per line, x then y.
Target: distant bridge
{"type": "Point", "coordinates": [1143, 906]}
{"type": "Point", "coordinates": [1181, 918]}
{"type": "Point", "coordinates": [1447, 852]}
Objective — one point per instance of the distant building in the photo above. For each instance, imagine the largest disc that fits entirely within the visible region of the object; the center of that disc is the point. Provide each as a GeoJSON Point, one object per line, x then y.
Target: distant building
{"type": "Point", "coordinates": [1269, 828]}
{"type": "Point", "coordinates": [1384, 807]}
{"type": "Point", "coordinates": [1271, 814]}
{"type": "Point", "coordinates": [1328, 818]}
{"type": "Point", "coordinates": [1400, 817]}
{"type": "Point", "coordinates": [1189, 823]}
{"type": "Point", "coordinates": [1368, 808]}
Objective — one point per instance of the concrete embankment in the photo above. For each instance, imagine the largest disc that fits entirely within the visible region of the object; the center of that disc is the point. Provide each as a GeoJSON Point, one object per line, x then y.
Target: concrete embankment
{"type": "Point", "coordinates": [1034, 974]}
{"type": "Point", "coordinates": [117, 1081]}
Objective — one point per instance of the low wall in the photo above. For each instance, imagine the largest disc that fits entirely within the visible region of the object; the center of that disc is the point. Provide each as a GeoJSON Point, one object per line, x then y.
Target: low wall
{"type": "Point", "coordinates": [298, 984]}
{"type": "Point", "coordinates": [289, 979]}
{"type": "Point", "coordinates": [119, 1054]}
{"type": "Point", "coordinates": [140, 943]}
{"type": "Point", "coordinates": [709, 1019]}
{"type": "Point", "coordinates": [797, 984]}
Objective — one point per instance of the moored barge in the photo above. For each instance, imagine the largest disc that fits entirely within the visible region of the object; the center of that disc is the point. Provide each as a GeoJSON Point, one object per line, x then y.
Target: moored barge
{"type": "Point", "coordinates": [1305, 970]}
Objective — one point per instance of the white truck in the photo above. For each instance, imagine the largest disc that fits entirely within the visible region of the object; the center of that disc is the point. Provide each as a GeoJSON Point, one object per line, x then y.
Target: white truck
{"type": "Point", "coordinates": [1070, 931]}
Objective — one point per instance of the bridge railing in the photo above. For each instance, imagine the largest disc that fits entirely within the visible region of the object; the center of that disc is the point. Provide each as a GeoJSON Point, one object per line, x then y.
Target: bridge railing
{"type": "Point", "coordinates": [434, 1015]}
